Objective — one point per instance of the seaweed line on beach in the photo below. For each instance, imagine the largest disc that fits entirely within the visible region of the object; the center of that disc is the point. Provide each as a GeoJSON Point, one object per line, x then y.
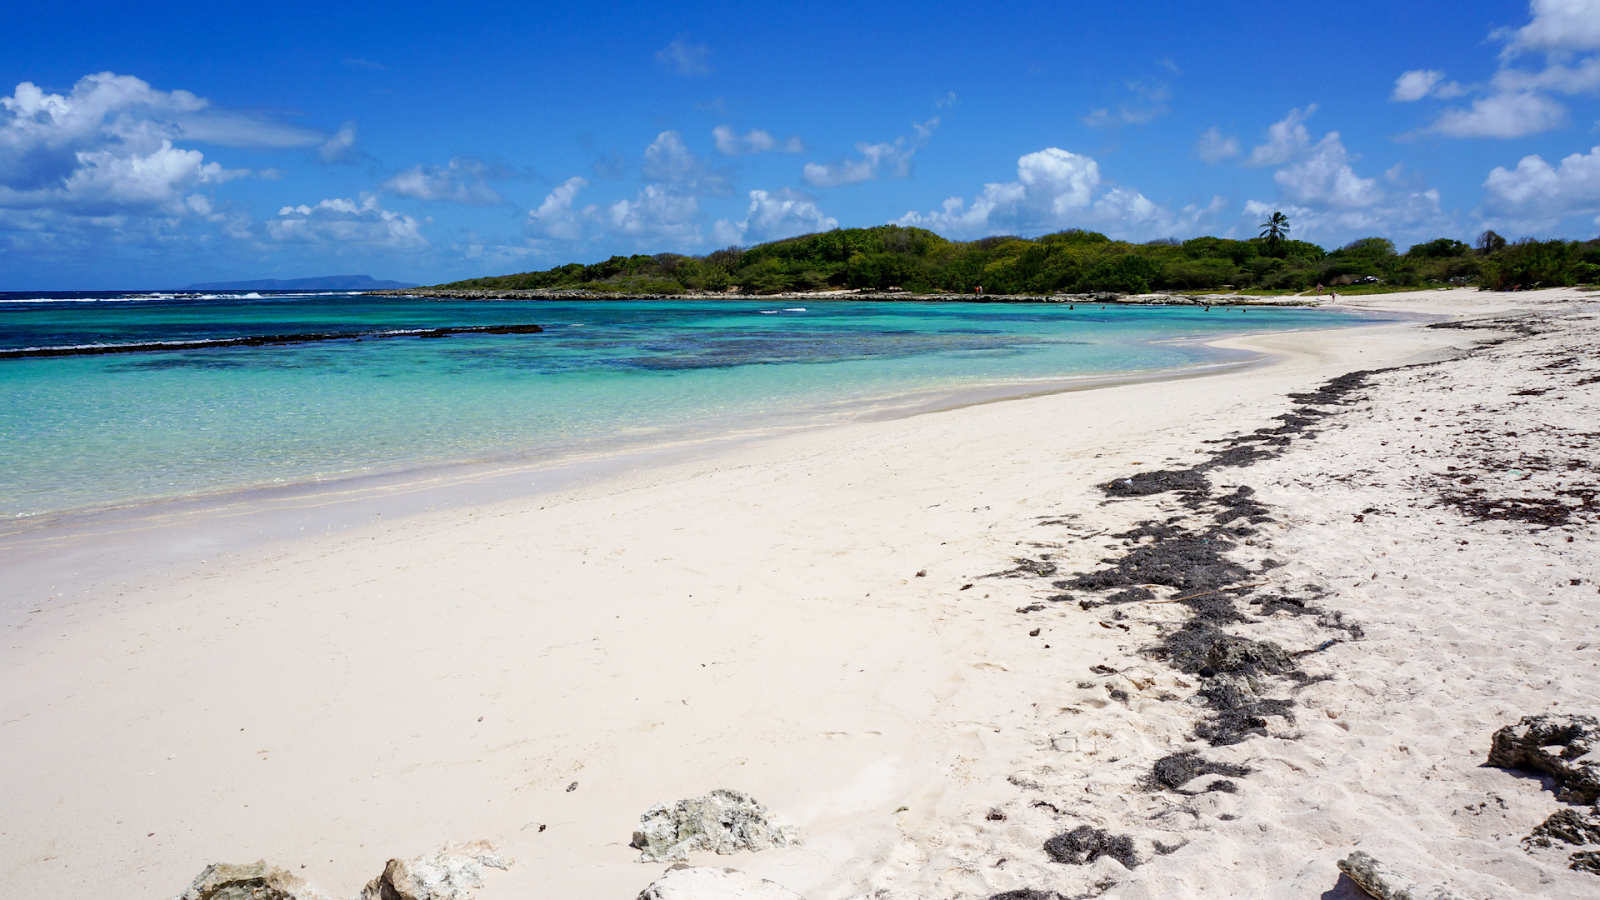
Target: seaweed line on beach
{"type": "Point", "coordinates": [1191, 556]}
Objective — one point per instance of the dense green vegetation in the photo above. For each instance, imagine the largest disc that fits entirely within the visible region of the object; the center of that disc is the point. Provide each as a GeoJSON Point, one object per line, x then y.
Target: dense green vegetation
{"type": "Point", "coordinates": [912, 259]}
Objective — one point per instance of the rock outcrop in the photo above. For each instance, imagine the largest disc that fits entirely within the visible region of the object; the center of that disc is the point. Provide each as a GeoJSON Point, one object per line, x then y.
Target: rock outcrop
{"type": "Point", "coordinates": [1384, 883]}
{"type": "Point", "coordinates": [1570, 826]}
{"type": "Point", "coordinates": [683, 882]}
{"type": "Point", "coordinates": [250, 881]}
{"type": "Point", "coordinates": [1558, 746]}
{"type": "Point", "coordinates": [722, 822]}
{"type": "Point", "coordinates": [449, 874]}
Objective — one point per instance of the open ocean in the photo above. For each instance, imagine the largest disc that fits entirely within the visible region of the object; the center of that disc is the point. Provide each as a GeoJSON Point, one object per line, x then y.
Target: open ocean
{"type": "Point", "coordinates": [97, 431]}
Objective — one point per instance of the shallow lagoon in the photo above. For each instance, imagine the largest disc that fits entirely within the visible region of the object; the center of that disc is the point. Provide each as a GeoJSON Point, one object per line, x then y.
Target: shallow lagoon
{"type": "Point", "coordinates": [96, 431]}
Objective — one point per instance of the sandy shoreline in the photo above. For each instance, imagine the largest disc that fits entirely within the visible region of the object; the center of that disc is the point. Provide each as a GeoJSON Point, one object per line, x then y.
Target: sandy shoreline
{"type": "Point", "coordinates": [753, 619]}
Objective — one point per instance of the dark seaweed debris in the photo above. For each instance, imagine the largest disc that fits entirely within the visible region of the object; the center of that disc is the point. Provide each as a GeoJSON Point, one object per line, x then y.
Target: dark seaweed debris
{"type": "Point", "coordinates": [1173, 557]}
{"type": "Point", "coordinates": [1544, 511]}
{"type": "Point", "coordinates": [1178, 769]}
{"type": "Point", "coordinates": [1085, 844]}
{"type": "Point", "coordinates": [1143, 484]}
{"type": "Point", "coordinates": [1190, 554]}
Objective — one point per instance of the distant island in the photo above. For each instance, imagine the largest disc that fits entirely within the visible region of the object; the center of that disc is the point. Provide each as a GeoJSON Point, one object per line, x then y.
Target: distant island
{"type": "Point", "coordinates": [890, 257]}
{"type": "Point", "coordinates": [323, 283]}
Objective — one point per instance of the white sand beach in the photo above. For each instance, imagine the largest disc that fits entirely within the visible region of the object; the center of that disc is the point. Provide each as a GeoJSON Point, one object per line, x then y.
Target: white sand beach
{"type": "Point", "coordinates": [809, 618]}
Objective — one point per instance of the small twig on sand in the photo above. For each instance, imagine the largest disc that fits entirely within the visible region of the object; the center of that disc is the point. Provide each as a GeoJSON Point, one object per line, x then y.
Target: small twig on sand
{"type": "Point", "coordinates": [1208, 593]}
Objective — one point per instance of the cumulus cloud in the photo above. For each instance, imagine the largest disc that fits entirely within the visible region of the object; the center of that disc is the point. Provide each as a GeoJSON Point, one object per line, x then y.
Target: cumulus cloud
{"type": "Point", "coordinates": [1502, 115]}
{"type": "Point", "coordinates": [1214, 146]}
{"type": "Point", "coordinates": [730, 143]}
{"type": "Point", "coordinates": [1323, 195]}
{"type": "Point", "coordinates": [344, 221]}
{"type": "Point", "coordinates": [656, 216]}
{"type": "Point", "coordinates": [1414, 214]}
{"type": "Point", "coordinates": [1286, 139]}
{"type": "Point", "coordinates": [1057, 189]}
{"type": "Point", "coordinates": [685, 58]}
{"type": "Point", "coordinates": [1557, 26]}
{"type": "Point", "coordinates": [461, 181]}
{"type": "Point", "coordinates": [773, 216]}
{"type": "Point", "coordinates": [556, 217]}
{"type": "Point", "coordinates": [1538, 195]}
{"type": "Point", "coordinates": [893, 158]}
{"type": "Point", "coordinates": [1323, 177]}
{"type": "Point", "coordinates": [675, 169]}
{"type": "Point", "coordinates": [665, 213]}
{"type": "Point", "coordinates": [107, 148]}
{"type": "Point", "coordinates": [1518, 101]}
{"type": "Point", "coordinates": [110, 108]}
{"type": "Point", "coordinates": [1414, 85]}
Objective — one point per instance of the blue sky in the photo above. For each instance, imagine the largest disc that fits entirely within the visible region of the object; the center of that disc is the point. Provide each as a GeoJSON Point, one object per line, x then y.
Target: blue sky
{"type": "Point", "coordinates": [154, 146]}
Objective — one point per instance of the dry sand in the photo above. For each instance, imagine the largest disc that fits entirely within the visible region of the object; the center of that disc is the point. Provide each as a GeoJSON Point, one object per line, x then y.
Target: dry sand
{"type": "Point", "coordinates": [754, 617]}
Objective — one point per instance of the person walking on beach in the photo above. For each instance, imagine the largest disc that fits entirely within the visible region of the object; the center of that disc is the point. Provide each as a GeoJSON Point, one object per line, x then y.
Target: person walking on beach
{"type": "Point", "coordinates": [978, 289]}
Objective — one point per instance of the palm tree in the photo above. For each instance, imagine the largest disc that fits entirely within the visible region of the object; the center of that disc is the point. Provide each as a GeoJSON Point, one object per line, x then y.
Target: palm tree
{"type": "Point", "coordinates": [1275, 230]}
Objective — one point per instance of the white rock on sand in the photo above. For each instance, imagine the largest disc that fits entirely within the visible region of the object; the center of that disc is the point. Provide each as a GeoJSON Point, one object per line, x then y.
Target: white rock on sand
{"type": "Point", "coordinates": [721, 822]}
{"type": "Point", "coordinates": [752, 614]}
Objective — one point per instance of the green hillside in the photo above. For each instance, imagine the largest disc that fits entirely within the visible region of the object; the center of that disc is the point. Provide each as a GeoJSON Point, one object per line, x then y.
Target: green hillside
{"type": "Point", "coordinates": [1076, 261]}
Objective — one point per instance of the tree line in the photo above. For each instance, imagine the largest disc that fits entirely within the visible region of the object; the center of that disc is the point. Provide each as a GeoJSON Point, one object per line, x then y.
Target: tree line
{"type": "Point", "coordinates": [891, 257]}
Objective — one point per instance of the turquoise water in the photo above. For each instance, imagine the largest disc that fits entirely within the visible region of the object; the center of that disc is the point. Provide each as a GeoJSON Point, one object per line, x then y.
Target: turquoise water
{"type": "Point", "coordinates": [95, 431]}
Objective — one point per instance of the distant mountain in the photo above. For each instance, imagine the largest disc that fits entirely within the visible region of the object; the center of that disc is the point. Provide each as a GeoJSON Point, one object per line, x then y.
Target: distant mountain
{"type": "Point", "coordinates": [325, 283]}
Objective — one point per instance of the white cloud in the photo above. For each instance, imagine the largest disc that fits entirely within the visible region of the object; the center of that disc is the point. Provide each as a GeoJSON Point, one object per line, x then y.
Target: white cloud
{"type": "Point", "coordinates": [555, 217]}
{"type": "Point", "coordinates": [756, 141]}
{"type": "Point", "coordinates": [773, 216]}
{"type": "Point", "coordinates": [1557, 26]}
{"type": "Point", "coordinates": [1505, 115]}
{"type": "Point", "coordinates": [341, 147]}
{"type": "Point", "coordinates": [110, 108]}
{"type": "Point", "coordinates": [1540, 195]}
{"type": "Point", "coordinates": [1516, 103]}
{"type": "Point", "coordinates": [103, 183]}
{"type": "Point", "coordinates": [343, 221]}
{"type": "Point", "coordinates": [104, 149]}
{"type": "Point", "coordinates": [1214, 146]}
{"type": "Point", "coordinates": [1323, 177]}
{"type": "Point", "coordinates": [669, 163]}
{"type": "Point", "coordinates": [1149, 103]}
{"type": "Point", "coordinates": [1286, 139]}
{"type": "Point", "coordinates": [1414, 85]}
{"type": "Point", "coordinates": [461, 181]}
{"type": "Point", "coordinates": [894, 158]}
{"type": "Point", "coordinates": [685, 58]}
{"type": "Point", "coordinates": [1057, 189]}
{"type": "Point", "coordinates": [1413, 215]}
{"type": "Point", "coordinates": [1583, 78]}
{"type": "Point", "coordinates": [1326, 199]}
{"type": "Point", "coordinates": [656, 216]}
